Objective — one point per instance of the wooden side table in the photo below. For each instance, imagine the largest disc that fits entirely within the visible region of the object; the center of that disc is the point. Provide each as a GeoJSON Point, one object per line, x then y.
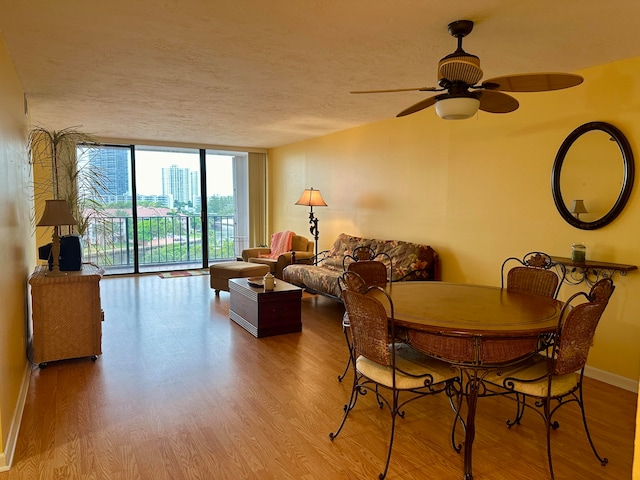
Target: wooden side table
{"type": "Point", "coordinates": [66, 315]}
{"type": "Point", "coordinates": [264, 313]}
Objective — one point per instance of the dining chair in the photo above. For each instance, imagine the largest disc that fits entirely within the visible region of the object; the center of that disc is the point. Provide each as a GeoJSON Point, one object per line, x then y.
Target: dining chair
{"type": "Point", "coordinates": [361, 252]}
{"type": "Point", "coordinates": [558, 376]}
{"type": "Point", "coordinates": [384, 365]}
{"type": "Point", "coordinates": [535, 273]}
{"type": "Point", "coordinates": [372, 273]}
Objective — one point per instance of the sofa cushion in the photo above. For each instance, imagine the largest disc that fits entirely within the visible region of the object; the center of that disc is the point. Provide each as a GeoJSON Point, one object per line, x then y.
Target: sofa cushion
{"type": "Point", "coordinates": [410, 261]}
{"type": "Point", "coordinates": [323, 279]}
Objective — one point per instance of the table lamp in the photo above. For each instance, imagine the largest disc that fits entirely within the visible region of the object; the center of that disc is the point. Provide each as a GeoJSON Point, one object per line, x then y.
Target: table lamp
{"type": "Point", "coordinates": [312, 198]}
{"type": "Point", "coordinates": [56, 213]}
{"type": "Point", "coordinates": [578, 207]}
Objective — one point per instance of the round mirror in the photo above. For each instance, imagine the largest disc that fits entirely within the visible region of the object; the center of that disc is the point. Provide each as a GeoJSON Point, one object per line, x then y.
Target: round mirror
{"type": "Point", "coordinates": [592, 175]}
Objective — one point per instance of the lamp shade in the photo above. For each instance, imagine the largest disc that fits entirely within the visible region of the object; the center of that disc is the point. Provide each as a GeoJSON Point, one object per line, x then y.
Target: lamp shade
{"type": "Point", "coordinates": [311, 198]}
{"type": "Point", "coordinates": [457, 108]}
{"type": "Point", "coordinates": [56, 212]}
{"type": "Point", "coordinates": [578, 207]}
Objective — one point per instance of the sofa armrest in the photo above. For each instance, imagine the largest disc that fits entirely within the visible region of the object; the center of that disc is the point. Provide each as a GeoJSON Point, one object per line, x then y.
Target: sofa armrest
{"type": "Point", "coordinates": [254, 253]}
{"type": "Point", "coordinates": [321, 257]}
{"type": "Point", "coordinates": [302, 257]}
{"type": "Point", "coordinates": [288, 258]}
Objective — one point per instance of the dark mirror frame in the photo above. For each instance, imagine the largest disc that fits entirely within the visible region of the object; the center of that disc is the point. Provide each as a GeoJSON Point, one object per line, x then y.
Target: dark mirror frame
{"type": "Point", "coordinates": [627, 182]}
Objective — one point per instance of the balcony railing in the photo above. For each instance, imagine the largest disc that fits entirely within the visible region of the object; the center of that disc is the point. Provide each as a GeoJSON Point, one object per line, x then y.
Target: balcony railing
{"type": "Point", "coordinates": [163, 241]}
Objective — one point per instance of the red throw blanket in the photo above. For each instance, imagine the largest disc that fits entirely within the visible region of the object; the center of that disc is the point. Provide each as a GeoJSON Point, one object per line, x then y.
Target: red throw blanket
{"type": "Point", "coordinates": [280, 243]}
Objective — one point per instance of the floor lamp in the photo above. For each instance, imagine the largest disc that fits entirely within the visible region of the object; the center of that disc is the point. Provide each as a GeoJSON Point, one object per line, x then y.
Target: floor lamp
{"type": "Point", "coordinates": [312, 198]}
{"type": "Point", "coordinates": [56, 213]}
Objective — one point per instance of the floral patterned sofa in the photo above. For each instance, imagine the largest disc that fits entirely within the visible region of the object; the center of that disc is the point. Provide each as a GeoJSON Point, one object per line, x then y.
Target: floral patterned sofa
{"type": "Point", "coordinates": [410, 261]}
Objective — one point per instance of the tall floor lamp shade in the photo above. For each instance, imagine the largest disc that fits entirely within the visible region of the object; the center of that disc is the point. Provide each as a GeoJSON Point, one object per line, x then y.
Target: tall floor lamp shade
{"type": "Point", "coordinates": [56, 213]}
{"type": "Point", "coordinates": [312, 198]}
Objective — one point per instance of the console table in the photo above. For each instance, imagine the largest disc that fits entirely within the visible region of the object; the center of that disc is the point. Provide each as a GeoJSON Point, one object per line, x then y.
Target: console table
{"type": "Point", "coordinates": [66, 315]}
{"type": "Point", "coordinates": [591, 271]}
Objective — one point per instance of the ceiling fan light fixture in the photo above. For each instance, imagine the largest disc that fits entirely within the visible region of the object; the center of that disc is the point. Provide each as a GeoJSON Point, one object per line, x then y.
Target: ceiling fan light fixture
{"type": "Point", "coordinates": [457, 108]}
{"type": "Point", "coordinates": [460, 68]}
{"type": "Point", "coordinates": [459, 74]}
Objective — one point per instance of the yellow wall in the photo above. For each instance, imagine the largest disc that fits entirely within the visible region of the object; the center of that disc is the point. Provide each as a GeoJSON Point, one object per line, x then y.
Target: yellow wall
{"type": "Point", "coordinates": [16, 254]}
{"type": "Point", "coordinates": [477, 190]}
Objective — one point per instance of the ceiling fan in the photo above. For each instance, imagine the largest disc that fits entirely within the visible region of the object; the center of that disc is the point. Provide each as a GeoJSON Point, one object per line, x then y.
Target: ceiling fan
{"type": "Point", "coordinates": [459, 74]}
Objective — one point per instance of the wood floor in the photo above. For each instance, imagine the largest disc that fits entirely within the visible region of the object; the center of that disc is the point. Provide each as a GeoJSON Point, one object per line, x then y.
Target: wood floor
{"type": "Point", "coordinates": [181, 392]}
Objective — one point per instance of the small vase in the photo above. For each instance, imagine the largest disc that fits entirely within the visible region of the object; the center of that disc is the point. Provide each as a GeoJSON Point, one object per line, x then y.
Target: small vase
{"type": "Point", "coordinates": [578, 252]}
{"type": "Point", "coordinates": [269, 281]}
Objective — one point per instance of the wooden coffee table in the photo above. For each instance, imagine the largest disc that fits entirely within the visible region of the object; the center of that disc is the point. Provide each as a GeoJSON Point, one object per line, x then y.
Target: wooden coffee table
{"type": "Point", "coordinates": [265, 313]}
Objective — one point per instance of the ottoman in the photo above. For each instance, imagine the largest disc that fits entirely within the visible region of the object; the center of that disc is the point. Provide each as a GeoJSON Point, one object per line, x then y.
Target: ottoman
{"type": "Point", "coordinates": [220, 273]}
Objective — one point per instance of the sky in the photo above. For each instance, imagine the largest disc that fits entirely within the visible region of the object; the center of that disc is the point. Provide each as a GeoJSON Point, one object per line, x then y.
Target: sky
{"type": "Point", "coordinates": [151, 163]}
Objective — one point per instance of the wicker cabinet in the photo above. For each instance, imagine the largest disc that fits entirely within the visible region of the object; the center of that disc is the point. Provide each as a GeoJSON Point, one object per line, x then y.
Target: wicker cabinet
{"type": "Point", "coordinates": [66, 317]}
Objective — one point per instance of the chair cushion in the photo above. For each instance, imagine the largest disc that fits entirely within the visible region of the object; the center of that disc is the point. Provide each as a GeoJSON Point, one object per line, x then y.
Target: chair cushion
{"type": "Point", "coordinates": [410, 361]}
{"type": "Point", "coordinates": [530, 369]}
{"type": "Point", "coordinates": [271, 262]}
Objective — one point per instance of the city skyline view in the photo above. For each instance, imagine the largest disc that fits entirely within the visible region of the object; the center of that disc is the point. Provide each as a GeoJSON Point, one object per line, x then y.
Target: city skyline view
{"type": "Point", "coordinates": [115, 166]}
{"type": "Point", "coordinates": [168, 227]}
{"type": "Point", "coordinates": [219, 179]}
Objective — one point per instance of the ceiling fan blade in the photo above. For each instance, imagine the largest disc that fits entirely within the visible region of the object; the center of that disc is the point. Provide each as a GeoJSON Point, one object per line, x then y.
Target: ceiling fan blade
{"type": "Point", "coordinates": [497, 102]}
{"type": "Point", "coordinates": [533, 82]}
{"type": "Point", "coordinates": [427, 102]}
{"type": "Point", "coordinates": [422, 89]}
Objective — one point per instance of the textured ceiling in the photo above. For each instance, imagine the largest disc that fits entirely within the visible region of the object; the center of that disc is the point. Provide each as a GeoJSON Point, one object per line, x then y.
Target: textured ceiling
{"type": "Point", "coordinates": [263, 73]}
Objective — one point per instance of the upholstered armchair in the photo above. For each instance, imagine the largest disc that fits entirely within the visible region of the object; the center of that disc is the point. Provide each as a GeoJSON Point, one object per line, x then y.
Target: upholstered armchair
{"type": "Point", "coordinates": [301, 251]}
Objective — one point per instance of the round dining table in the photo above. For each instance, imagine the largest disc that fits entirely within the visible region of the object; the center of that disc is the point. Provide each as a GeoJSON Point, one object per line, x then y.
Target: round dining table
{"type": "Point", "coordinates": [476, 328]}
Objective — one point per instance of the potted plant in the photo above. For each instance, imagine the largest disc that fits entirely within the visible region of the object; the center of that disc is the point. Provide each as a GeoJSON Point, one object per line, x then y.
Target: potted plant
{"type": "Point", "coordinates": [59, 173]}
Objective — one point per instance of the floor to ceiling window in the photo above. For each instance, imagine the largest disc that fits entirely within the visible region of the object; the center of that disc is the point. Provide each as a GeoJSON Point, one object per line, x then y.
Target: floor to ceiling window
{"type": "Point", "coordinates": [169, 223]}
{"type": "Point", "coordinates": [226, 179]}
{"type": "Point", "coordinates": [149, 214]}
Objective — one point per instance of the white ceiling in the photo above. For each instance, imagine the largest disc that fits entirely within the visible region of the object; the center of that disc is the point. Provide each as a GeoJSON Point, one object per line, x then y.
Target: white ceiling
{"type": "Point", "coordinates": [263, 73]}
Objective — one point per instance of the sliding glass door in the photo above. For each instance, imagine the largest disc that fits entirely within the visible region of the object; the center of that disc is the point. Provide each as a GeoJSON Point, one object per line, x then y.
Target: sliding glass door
{"type": "Point", "coordinates": [151, 215]}
{"type": "Point", "coordinates": [107, 227]}
{"type": "Point", "coordinates": [169, 225]}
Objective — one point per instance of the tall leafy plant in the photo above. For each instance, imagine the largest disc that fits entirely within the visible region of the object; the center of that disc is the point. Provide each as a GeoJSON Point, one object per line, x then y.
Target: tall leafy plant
{"type": "Point", "coordinates": [76, 180]}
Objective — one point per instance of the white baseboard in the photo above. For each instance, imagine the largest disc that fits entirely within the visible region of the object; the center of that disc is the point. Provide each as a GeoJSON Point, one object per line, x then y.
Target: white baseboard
{"type": "Point", "coordinates": [6, 457]}
{"type": "Point", "coordinates": [612, 379]}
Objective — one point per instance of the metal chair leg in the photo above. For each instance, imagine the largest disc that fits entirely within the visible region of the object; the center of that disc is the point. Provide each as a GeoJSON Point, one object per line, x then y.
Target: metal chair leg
{"type": "Point", "coordinates": [350, 361]}
{"type": "Point", "coordinates": [547, 418]}
{"type": "Point", "coordinates": [394, 413]}
{"type": "Point", "coordinates": [520, 404]}
{"type": "Point", "coordinates": [347, 407]}
{"type": "Point", "coordinates": [603, 460]}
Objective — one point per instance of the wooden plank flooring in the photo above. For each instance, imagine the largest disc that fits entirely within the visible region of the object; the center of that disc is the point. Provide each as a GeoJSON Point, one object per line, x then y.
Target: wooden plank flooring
{"type": "Point", "coordinates": [181, 392]}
